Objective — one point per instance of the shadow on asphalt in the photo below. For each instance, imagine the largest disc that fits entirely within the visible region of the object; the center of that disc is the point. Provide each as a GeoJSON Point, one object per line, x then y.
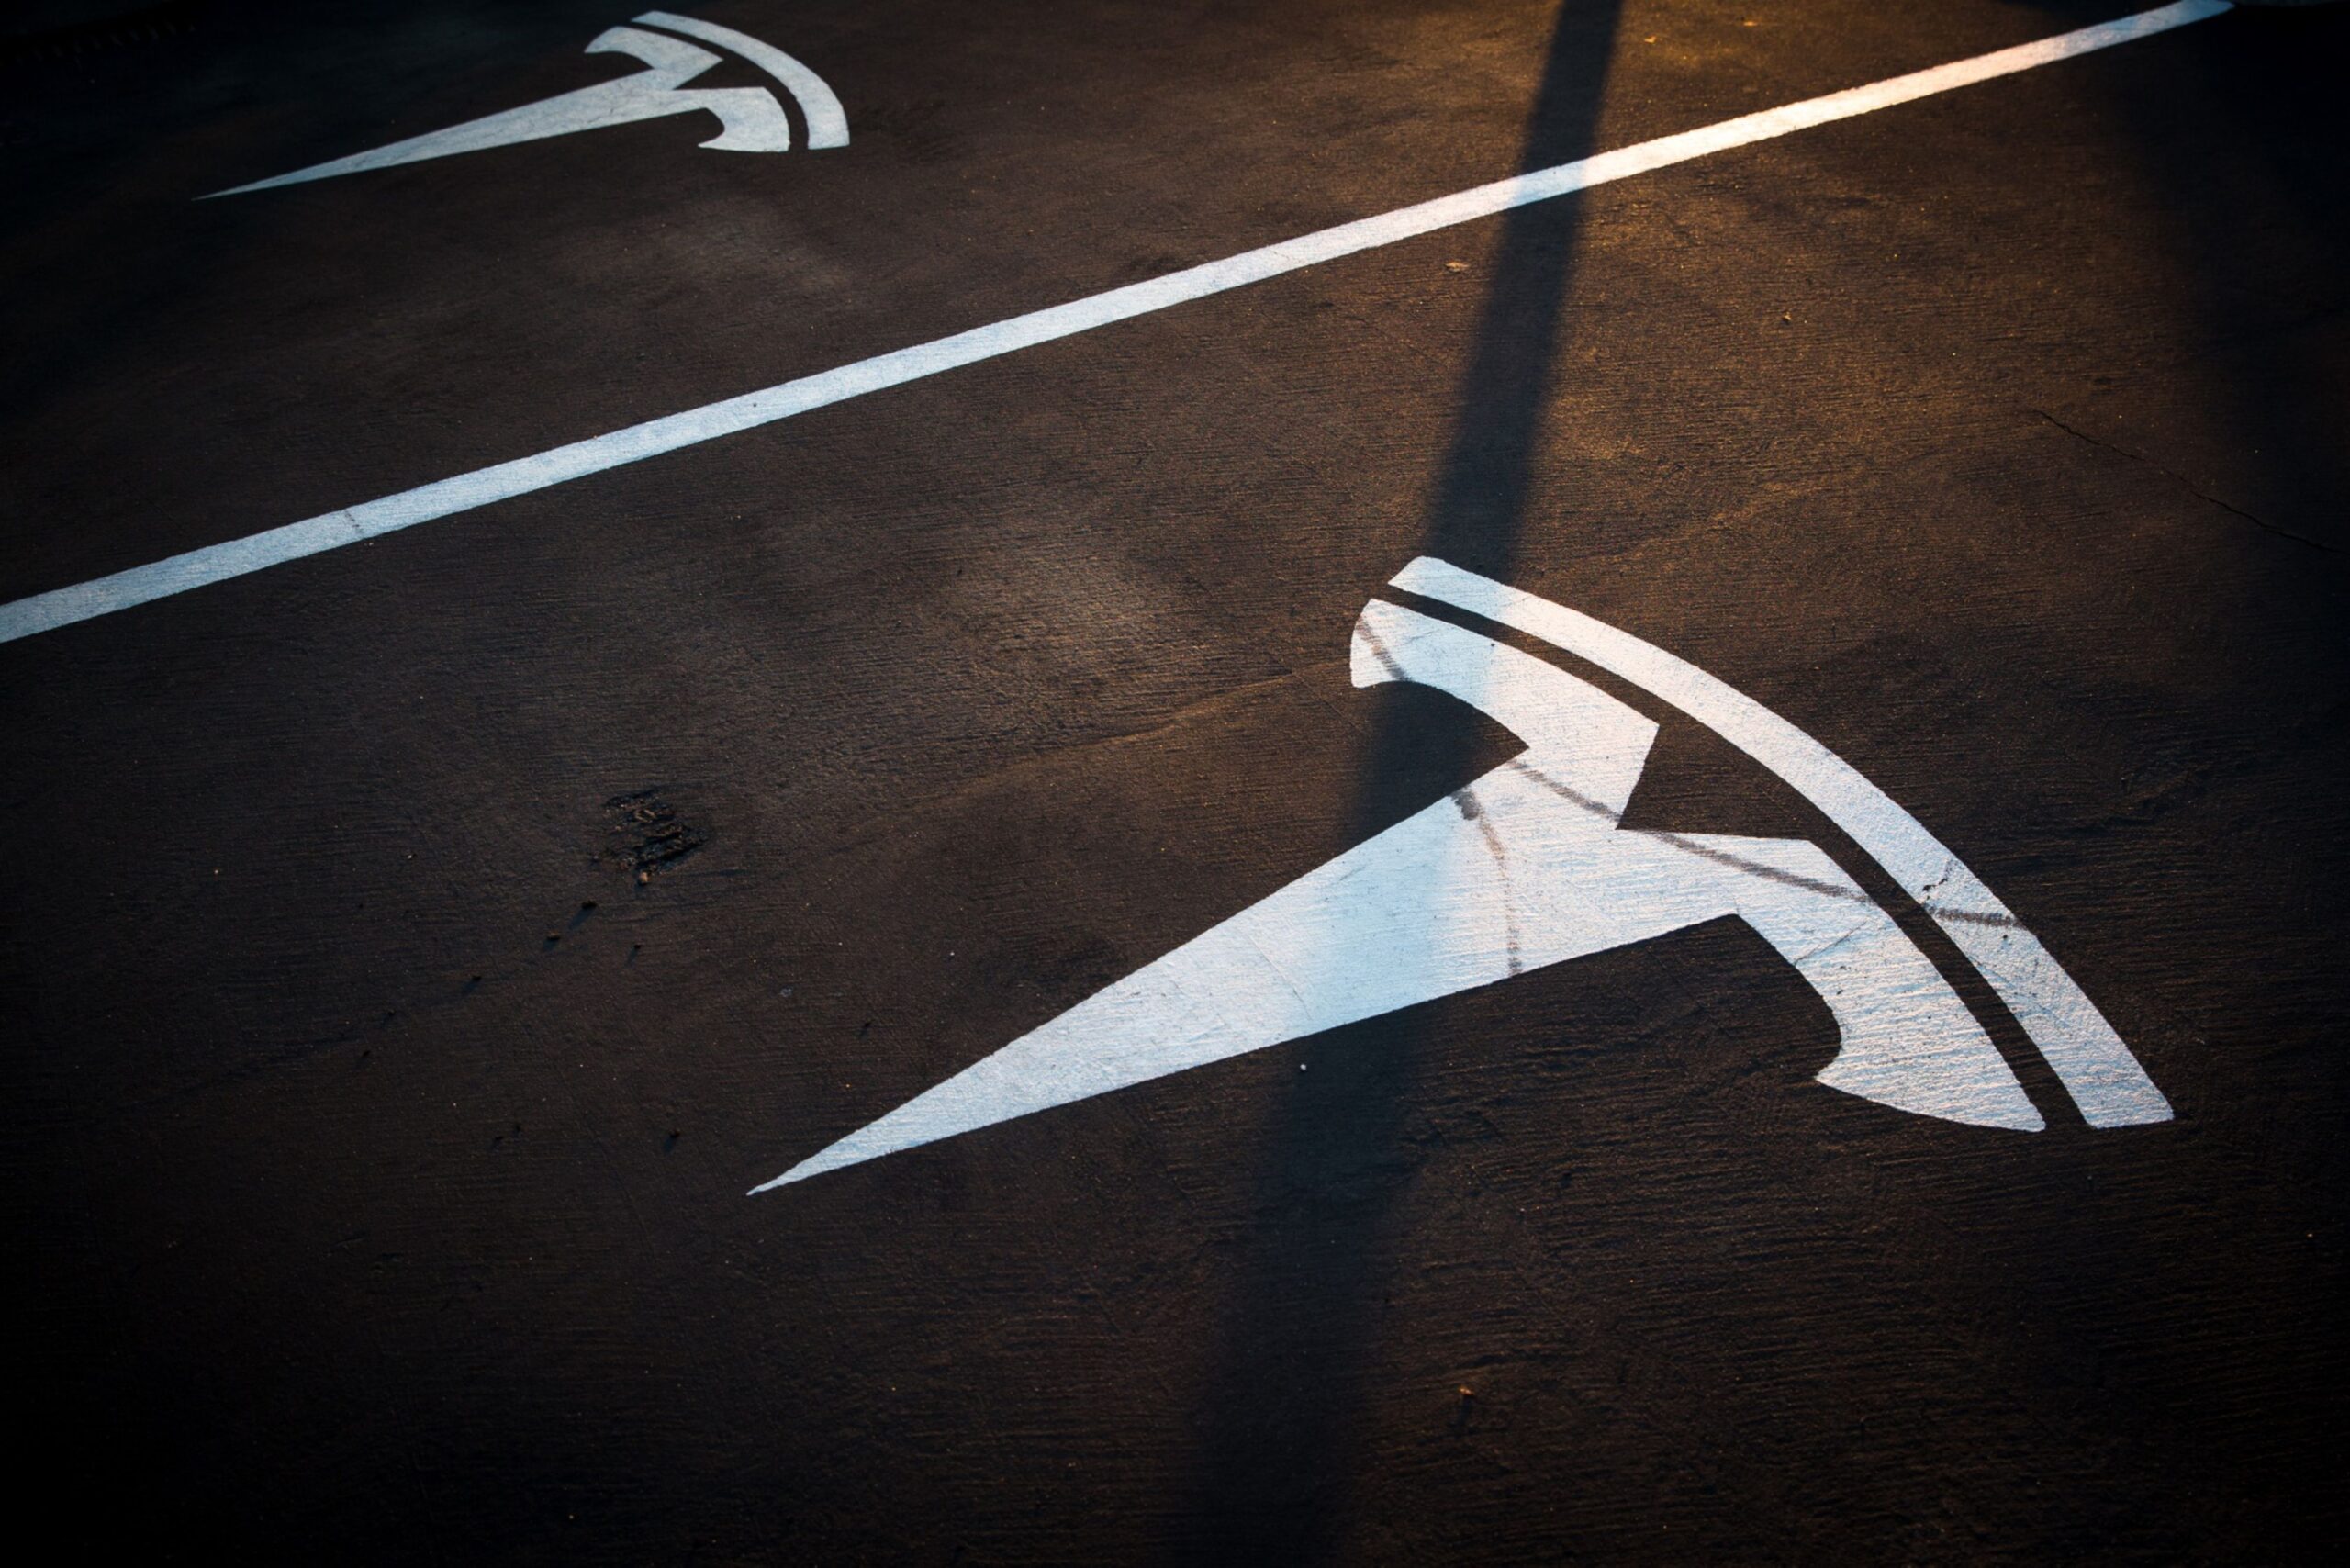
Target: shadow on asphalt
{"type": "Point", "coordinates": [2262, 400]}
{"type": "Point", "coordinates": [1294, 1344]}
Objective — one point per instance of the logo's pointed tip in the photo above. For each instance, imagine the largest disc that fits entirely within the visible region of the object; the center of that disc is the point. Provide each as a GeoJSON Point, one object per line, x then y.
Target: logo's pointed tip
{"type": "Point", "coordinates": [816, 1164]}
{"type": "Point", "coordinates": [298, 177]}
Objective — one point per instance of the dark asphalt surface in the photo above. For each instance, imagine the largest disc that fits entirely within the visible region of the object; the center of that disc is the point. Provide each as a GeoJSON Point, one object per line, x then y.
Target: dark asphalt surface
{"type": "Point", "coordinates": [375, 1134]}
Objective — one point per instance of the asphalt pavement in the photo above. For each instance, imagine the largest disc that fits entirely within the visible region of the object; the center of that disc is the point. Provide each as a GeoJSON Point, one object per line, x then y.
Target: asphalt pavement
{"type": "Point", "coordinates": [420, 941]}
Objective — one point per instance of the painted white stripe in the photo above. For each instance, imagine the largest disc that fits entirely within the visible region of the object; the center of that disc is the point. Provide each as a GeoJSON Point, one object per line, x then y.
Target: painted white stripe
{"type": "Point", "coordinates": [522, 477]}
{"type": "Point", "coordinates": [2104, 1080]}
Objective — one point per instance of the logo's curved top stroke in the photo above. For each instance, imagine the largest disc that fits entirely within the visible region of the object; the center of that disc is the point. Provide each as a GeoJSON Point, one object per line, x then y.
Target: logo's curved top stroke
{"type": "Point", "coordinates": [749, 119]}
{"type": "Point", "coordinates": [1530, 866]}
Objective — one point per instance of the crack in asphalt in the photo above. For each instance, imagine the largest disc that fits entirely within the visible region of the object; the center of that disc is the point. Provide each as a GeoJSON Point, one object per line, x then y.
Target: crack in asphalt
{"type": "Point", "coordinates": [2189, 485]}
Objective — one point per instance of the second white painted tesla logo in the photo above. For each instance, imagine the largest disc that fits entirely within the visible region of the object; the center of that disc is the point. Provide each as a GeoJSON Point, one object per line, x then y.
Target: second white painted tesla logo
{"type": "Point", "coordinates": [1530, 866]}
{"type": "Point", "coordinates": [749, 118]}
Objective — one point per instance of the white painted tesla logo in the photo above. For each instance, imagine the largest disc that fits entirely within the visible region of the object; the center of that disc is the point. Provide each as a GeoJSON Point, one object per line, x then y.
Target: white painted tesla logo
{"type": "Point", "coordinates": [1529, 866]}
{"type": "Point", "coordinates": [750, 119]}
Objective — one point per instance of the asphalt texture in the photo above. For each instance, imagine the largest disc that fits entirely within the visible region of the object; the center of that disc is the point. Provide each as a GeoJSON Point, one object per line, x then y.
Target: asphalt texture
{"type": "Point", "coordinates": [415, 951]}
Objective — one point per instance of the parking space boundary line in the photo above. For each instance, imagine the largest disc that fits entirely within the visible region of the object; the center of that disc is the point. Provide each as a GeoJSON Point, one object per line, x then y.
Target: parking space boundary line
{"type": "Point", "coordinates": [505, 481]}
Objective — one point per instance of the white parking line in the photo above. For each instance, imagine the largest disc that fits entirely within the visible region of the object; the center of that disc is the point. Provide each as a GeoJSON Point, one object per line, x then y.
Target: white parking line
{"type": "Point", "coordinates": [444, 498]}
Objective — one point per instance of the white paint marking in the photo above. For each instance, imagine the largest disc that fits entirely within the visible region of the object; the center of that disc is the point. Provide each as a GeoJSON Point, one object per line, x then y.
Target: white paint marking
{"type": "Point", "coordinates": [1526, 867]}
{"type": "Point", "coordinates": [827, 123]}
{"type": "Point", "coordinates": [2104, 1080]}
{"type": "Point", "coordinates": [522, 477]}
{"type": "Point", "coordinates": [749, 119]}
